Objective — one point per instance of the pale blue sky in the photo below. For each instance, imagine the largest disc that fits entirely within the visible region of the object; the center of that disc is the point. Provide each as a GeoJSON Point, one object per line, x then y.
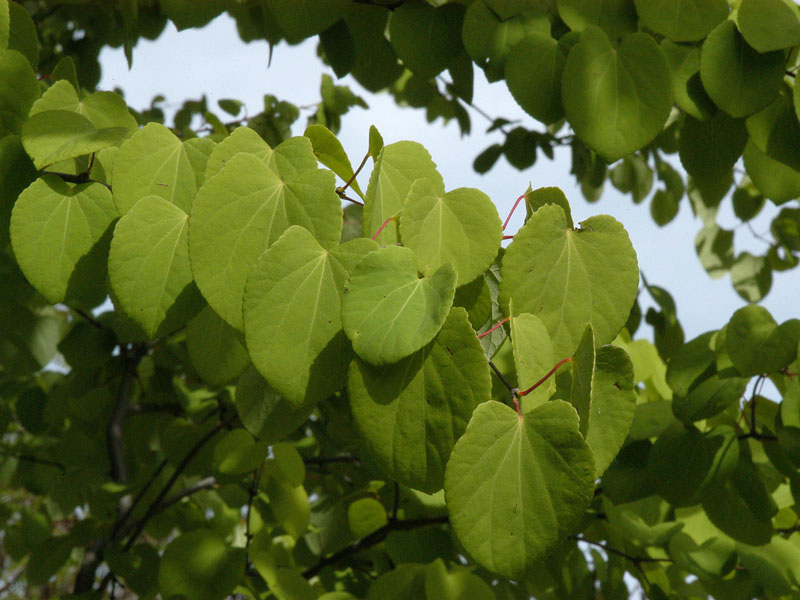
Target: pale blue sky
{"type": "Point", "coordinates": [216, 62]}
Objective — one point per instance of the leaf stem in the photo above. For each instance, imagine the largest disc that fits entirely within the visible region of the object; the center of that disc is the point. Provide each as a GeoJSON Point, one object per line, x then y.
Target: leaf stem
{"type": "Point", "coordinates": [385, 223]}
{"type": "Point", "coordinates": [488, 331]}
{"type": "Point", "coordinates": [637, 560]}
{"type": "Point", "coordinates": [510, 214]}
{"type": "Point", "coordinates": [546, 377]}
{"type": "Point", "coordinates": [357, 171]}
{"type": "Point", "coordinates": [343, 196]}
{"type": "Point", "coordinates": [497, 372]}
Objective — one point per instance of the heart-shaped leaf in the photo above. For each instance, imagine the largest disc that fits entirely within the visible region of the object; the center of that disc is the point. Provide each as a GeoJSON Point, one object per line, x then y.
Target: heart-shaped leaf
{"type": "Point", "coordinates": [757, 344]}
{"type": "Point", "coordinates": [533, 72]}
{"type": "Point", "coordinates": [571, 277]}
{"type": "Point", "coordinates": [516, 485]}
{"type": "Point", "coordinates": [461, 227]}
{"type": "Point", "coordinates": [685, 21]}
{"type": "Point", "coordinates": [616, 99]}
{"type": "Point", "coordinates": [241, 211]}
{"type": "Point", "coordinates": [389, 311]}
{"type": "Point", "coordinates": [214, 347]}
{"type": "Point", "coordinates": [410, 413]}
{"type": "Point", "coordinates": [397, 166]}
{"type": "Point", "coordinates": [292, 322]}
{"type": "Point", "coordinates": [20, 90]}
{"type": "Point", "coordinates": [328, 150]}
{"type": "Point", "coordinates": [148, 267]}
{"type": "Point", "coordinates": [59, 236]}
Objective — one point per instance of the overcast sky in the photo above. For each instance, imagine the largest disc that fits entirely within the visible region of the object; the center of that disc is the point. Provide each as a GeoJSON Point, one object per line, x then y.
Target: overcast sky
{"type": "Point", "coordinates": [215, 62]}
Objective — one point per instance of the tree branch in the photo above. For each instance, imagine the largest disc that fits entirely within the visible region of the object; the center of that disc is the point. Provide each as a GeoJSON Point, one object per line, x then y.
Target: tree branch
{"type": "Point", "coordinates": [637, 560]}
{"type": "Point", "coordinates": [376, 537]}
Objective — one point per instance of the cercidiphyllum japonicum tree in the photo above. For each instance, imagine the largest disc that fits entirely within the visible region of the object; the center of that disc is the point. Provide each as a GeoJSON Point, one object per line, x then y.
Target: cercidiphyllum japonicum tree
{"type": "Point", "coordinates": [290, 400]}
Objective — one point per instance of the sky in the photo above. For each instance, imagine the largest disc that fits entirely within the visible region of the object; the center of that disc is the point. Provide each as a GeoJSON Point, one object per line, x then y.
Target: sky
{"type": "Point", "coordinates": [215, 62]}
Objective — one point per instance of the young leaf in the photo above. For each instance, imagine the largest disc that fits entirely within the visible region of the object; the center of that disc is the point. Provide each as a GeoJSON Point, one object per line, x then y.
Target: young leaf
{"type": "Point", "coordinates": [59, 236]}
{"type": "Point", "coordinates": [757, 344]}
{"type": "Point", "coordinates": [388, 310]}
{"type": "Point", "coordinates": [568, 278]}
{"type": "Point", "coordinates": [292, 322]}
{"type": "Point", "coordinates": [516, 485]}
{"type": "Point", "coordinates": [148, 267]}
{"type": "Point", "coordinates": [461, 227]}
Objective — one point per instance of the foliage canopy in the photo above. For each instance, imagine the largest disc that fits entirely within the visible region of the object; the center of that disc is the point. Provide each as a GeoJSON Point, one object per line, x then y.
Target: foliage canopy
{"type": "Point", "coordinates": [289, 399]}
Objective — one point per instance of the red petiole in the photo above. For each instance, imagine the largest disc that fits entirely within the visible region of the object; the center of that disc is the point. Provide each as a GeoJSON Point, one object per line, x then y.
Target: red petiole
{"type": "Point", "coordinates": [385, 223]}
{"type": "Point", "coordinates": [500, 324]}
{"type": "Point", "coordinates": [545, 378]}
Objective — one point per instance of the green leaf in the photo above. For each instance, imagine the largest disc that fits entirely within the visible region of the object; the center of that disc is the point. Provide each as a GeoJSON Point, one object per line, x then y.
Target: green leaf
{"type": "Point", "coordinates": [409, 414]}
{"type": "Point", "coordinates": [457, 584]}
{"type": "Point", "coordinates": [138, 567]}
{"type": "Point", "coordinates": [516, 485]}
{"type": "Point", "coordinates": [461, 227]}
{"type": "Point", "coordinates": [757, 344]}
{"type": "Point", "coordinates": [535, 199]}
{"type": "Point", "coordinates": [751, 276]}
{"type": "Point", "coordinates": [237, 453]}
{"type": "Point", "coordinates": [199, 151]}
{"type": "Point", "coordinates": [426, 38]}
{"type": "Point", "coordinates": [714, 247]}
{"type": "Point", "coordinates": [264, 412]}
{"type": "Point", "coordinates": [328, 150]}
{"type": "Point", "coordinates": [533, 358]}
{"type": "Point", "coordinates": [684, 462]}
{"type": "Point", "coordinates": [299, 19]}
{"type": "Point", "coordinates": [102, 109]}
{"type": "Point", "coordinates": [616, 17]}
{"type": "Point", "coordinates": [55, 135]}
{"type": "Point", "coordinates": [685, 21]}
{"type": "Point", "coordinates": [775, 566]}
{"type": "Point", "coordinates": [240, 212]}
{"type": "Point", "coordinates": [292, 322]}
{"type": "Point", "coordinates": [22, 35]}
{"type": "Point", "coordinates": [769, 24]}
{"type": "Point", "coordinates": [396, 168]}
{"type": "Point", "coordinates": [366, 515]}
{"type": "Point", "coordinates": [709, 397]}
{"type": "Point", "coordinates": [775, 130]}
{"type": "Point", "coordinates": [489, 38]}
{"type": "Point", "coordinates": [290, 506]}
{"type": "Point", "coordinates": [60, 236]}
{"type": "Point", "coordinates": [185, 13]}
{"type": "Point", "coordinates": [148, 267]}
{"type": "Point", "coordinates": [4, 24]}
{"type": "Point", "coordinates": [290, 156]}
{"type": "Point", "coordinates": [568, 278]}
{"type": "Point", "coordinates": [389, 311]}
{"type": "Point", "coordinates": [16, 173]}
{"type": "Point", "coordinates": [613, 405]}
{"type": "Point", "coordinates": [404, 582]}
{"type": "Point", "coordinates": [690, 96]}
{"type": "Point", "coordinates": [214, 348]}
{"type": "Point", "coordinates": [200, 564]}
{"type": "Point", "coordinates": [616, 99]}
{"type": "Point", "coordinates": [375, 142]}
{"type": "Point", "coordinates": [153, 163]}
{"type": "Point", "coordinates": [709, 149]}
{"type": "Point", "coordinates": [533, 71]}
{"type": "Point", "coordinates": [777, 181]}
{"type": "Point", "coordinates": [18, 90]}
{"type": "Point", "coordinates": [737, 78]}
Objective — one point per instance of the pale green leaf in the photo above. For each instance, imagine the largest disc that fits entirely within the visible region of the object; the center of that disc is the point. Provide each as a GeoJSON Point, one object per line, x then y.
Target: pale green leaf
{"type": "Point", "coordinates": [102, 109]}
{"type": "Point", "coordinates": [366, 515]}
{"type": "Point", "coordinates": [571, 277]}
{"type": "Point", "coordinates": [292, 322]}
{"type": "Point", "coordinates": [239, 212]}
{"type": "Point", "coordinates": [148, 267]}
{"type": "Point", "coordinates": [461, 227]}
{"type": "Point", "coordinates": [616, 99]}
{"type": "Point", "coordinates": [55, 135]}
{"type": "Point", "coordinates": [410, 413]}
{"type": "Point", "coordinates": [533, 358]}
{"type": "Point", "coordinates": [516, 485]}
{"type": "Point", "coordinates": [396, 168]}
{"type": "Point", "coordinates": [60, 236]}
{"type": "Point", "coordinates": [328, 150]}
{"type": "Point", "coordinates": [757, 344]}
{"type": "Point", "coordinates": [153, 163]}
{"type": "Point", "coordinates": [290, 506]}
{"type": "Point", "coordinates": [457, 584]}
{"type": "Point", "coordinates": [737, 78]}
{"type": "Point", "coordinates": [777, 181]}
{"type": "Point", "coordinates": [388, 310]}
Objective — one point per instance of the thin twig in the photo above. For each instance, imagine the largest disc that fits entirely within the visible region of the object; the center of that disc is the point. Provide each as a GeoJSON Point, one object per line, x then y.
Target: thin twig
{"type": "Point", "coordinates": [88, 318]}
{"type": "Point", "coordinates": [497, 372]}
{"type": "Point", "coordinates": [357, 171]}
{"type": "Point", "coordinates": [376, 537]}
{"type": "Point", "coordinates": [634, 559]}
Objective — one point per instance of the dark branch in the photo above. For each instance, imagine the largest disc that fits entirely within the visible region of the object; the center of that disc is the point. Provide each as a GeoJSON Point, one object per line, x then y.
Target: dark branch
{"type": "Point", "coordinates": [376, 537]}
{"type": "Point", "coordinates": [79, 178]}
{"type": "Point", "coordinates": [637, 560]}
{"type": "Point", "coordinates": [204, 484]}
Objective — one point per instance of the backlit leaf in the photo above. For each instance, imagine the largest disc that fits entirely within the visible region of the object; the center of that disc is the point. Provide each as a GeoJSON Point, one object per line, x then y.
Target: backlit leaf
{"type": "Point", "coordinates": [517, 485]}
{"type": "Point", "coordinates": [533, 72]}
{"type": "Point", "coordinates": [757, 344]}
{"type": "Point", "coordinates": [684, 21]}
{"type": "Point", "coordinates": [568, 278]}
{"type": "Point", "coordinates": [388, 310]}
{"type": "Point", "coordinates": [18, 90]}
{"type": "Point", "coordinates": [769, 24]}
{"type": "Point", "coordinates": [410, 413]}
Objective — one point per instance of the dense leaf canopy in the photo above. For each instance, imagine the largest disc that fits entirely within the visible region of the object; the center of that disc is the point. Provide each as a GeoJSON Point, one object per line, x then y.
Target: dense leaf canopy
{"type": "Point", "coordinates": [231, 368]}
